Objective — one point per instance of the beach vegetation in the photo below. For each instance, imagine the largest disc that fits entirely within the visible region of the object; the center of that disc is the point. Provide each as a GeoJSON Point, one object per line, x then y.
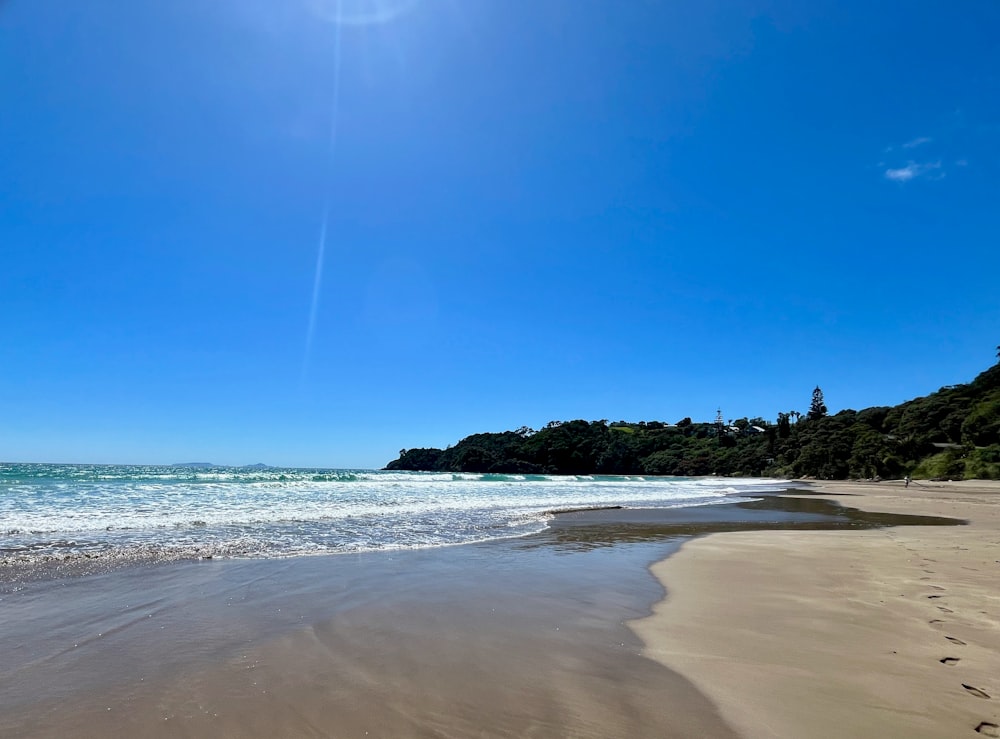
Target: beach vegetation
{"type": "Point", "coordinates": [945, 465]}
{"type": "Point", "coordinates": [953, 433]}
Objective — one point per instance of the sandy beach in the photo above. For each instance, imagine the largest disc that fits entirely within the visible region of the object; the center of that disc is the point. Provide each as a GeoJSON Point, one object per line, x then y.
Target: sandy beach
{"type": "Point", "coordinates": [890, 632]}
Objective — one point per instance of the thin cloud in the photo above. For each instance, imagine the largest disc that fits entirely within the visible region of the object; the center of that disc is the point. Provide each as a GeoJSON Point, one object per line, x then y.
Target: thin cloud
{"type": "Point", "coordinates": [914, 170]}
{"type": "Point", "coordinates": [919, 141]}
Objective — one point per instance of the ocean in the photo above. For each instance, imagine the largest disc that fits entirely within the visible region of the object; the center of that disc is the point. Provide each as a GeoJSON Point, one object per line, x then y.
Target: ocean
{"type": "Point", "coordinates": [69, 512]}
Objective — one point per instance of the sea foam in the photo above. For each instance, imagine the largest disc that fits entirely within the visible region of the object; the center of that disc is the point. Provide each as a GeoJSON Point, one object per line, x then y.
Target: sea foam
{"type": "Point", "coordinates": [67, 511]}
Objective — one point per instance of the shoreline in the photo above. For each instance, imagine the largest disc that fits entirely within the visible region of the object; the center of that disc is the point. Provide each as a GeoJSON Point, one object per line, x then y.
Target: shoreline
{"type": "Point", "coordinates": [17, 570]}
{"type": "Point", "coordinates": [114, 518]}
{"type": "Point", "coordinates": [883, 632]}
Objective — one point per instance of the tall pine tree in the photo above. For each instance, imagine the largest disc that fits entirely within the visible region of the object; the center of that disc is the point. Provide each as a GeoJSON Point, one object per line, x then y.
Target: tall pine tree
{"type": "Point", "coordinates": [817, 409]}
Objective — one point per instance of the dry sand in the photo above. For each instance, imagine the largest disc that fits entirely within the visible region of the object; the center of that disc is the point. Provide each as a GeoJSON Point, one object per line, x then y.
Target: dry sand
{"type": "Point", "coordinates": [880, 633]}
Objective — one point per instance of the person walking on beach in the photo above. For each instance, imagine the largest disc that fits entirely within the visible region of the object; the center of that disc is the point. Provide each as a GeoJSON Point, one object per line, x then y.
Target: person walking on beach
{"type": "Point", "coordinates": [906, 481]}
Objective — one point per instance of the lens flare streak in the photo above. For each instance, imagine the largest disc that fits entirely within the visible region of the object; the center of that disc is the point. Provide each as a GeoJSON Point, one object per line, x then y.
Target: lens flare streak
{"type": "Point", "coordinates": [327, 204]}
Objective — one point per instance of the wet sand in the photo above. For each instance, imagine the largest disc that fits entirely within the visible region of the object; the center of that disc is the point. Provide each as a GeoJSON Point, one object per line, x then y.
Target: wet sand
{"type": "Point", "coordinates": [889, 632]}
{"type": "Point", "coordinates": [525, 637]}
{"type": "Point", "coordinates": [519, 638]}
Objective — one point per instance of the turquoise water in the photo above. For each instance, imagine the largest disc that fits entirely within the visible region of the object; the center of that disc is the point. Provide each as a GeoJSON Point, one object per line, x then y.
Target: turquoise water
{"type": "Point", "coordinates": [58, 512]}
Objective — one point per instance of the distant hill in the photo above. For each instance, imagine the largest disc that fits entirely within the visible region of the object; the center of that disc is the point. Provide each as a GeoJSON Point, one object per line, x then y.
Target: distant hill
{"type": "Point", "coordinates": [952, 433]}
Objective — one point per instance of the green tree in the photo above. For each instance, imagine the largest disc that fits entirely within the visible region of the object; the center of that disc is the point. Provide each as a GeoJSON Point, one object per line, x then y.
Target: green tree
{"type": "Point", "coordinates": [817, 409]}
{"type": "Point", "coordinates": [868, 452]}
{"type": "Point", "coordinates": [982, 426]}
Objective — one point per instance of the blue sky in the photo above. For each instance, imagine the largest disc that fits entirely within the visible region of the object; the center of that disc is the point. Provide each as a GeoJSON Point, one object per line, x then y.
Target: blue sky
{"type": "Point", "coordinates": [537, 210]}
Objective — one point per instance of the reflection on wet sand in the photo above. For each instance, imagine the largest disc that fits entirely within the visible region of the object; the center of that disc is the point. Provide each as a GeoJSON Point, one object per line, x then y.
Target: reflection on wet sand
{"type": "Point", "coordinates": [607, 527]}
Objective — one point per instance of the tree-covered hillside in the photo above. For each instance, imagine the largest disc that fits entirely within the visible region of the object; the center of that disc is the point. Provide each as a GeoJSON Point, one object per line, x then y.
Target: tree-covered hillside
{"type": "Point", "coordinates": [953, 433]}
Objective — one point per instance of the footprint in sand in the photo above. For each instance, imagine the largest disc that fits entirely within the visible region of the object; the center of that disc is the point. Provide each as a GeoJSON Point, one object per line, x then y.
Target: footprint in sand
{"type": "Point", "coordinates": [935, 587]}
{"type": "Point", "coordinates": [988, 728]}
{"type": "Point", "coordinates": [953, 640]}
{"type": "Point", "coordinates": [945, 610]}
{"type": "Point", "coordinates": [948, 660]}
{"type": "Point", "coordinates": [936, 621]}
{"type": "Point", "coordinates": [935, 596]}
{"type": "Point", "coordinates": [976, 691]}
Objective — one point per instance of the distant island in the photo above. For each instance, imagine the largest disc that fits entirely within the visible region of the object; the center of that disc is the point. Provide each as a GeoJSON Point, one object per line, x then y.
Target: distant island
{"type": "Point", "coordinates": [953, 433]}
